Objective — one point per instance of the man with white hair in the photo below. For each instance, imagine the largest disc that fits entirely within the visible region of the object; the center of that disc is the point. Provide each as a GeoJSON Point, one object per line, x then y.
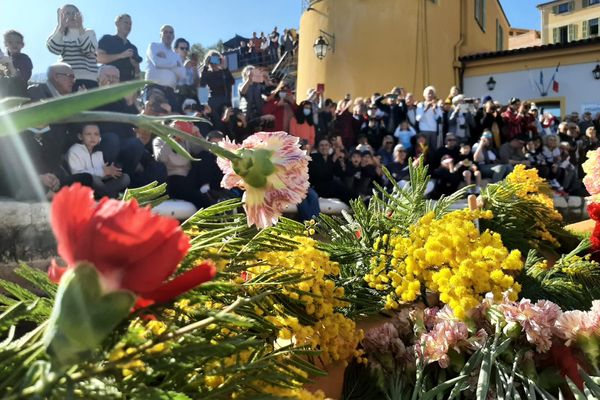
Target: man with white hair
{"type": "Point", "coordinates": [165, 67]}
{"type": "Point", "coordinates": [118, 51]}
{"type": "Point", "coordinates": [60, 82]}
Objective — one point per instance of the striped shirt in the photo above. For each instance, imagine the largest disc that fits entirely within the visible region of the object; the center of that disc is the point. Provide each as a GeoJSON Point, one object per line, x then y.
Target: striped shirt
{"type": "Point", "coordinates": [78, 50]}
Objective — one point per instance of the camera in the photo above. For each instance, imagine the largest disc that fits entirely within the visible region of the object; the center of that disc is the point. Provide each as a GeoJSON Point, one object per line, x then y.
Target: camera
{"type": "Point", "coordinates": [469, 100]}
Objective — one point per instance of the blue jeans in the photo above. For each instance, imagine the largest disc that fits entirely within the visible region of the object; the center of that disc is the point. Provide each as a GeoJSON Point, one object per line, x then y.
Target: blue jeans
{"type": "Point", "coordinates": [127, 152]}
{"type": "Point", "coordinates": [309, 207]}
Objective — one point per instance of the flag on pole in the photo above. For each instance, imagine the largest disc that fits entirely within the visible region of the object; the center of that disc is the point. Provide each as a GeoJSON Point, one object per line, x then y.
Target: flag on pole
{"type": "Point", "coordinates": [555, 84]}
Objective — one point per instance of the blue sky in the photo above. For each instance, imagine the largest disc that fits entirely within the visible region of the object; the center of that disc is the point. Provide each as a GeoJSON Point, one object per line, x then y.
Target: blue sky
{"type": "Point", "coordinates": [200, 21]}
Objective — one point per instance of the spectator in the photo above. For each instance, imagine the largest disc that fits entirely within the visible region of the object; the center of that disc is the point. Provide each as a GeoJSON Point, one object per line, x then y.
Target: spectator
{"type": "Point", "coordinates": [165, 67]}
{"type": "Point", "coordinates": [386, 152]}
{"type": "Point", "coordinates": [513, 120]}
{"type": "Point", "coordinates": [590, 141]}
{"type": "Point", "coordinates": [302, 124]}
{"type": "Point", "coordinates": [119, 143]}
{"type": "Point", "coordinates": [447, 178]}
{"type": "Point", "coordinates": [149, 170]}
{"type": "Point", "coordinates": [566, 171]}
{"type": "Point", "coordinates": [548, 124]}
{"type": "Point", "coordinates": [281, 104]}
{"type": "Point", "coordinates": [491, 120]}
{"type": "Point", "coordinates": [512, 153]}
{"type": "Point", "coordinates": [234, 124]}
{"type": "Point", "coordinates": [421, 149]}
{"type": "Point", "coordinates": [394, 108]}
{"type": "Point", "coordinates": [19, 65]}
{"type": "Point", "coordinates": [287, 42]}
{"type": "Point", "coordinates": [273, 45]}
{"type": "Point", "coordinates": [76, 46]}
{"type": "Point", "coordinates": [254, 48]}
{"type": "Point", "coordinates": [251, 91]}
{"type": "Point", "coordinates": [411, 111]}
{"type": "Point", "coordinates": [219, 80]}
{"type": "Point", "coordinates": [461, 118]}
{"type": "Point", "coordinates": [84, 157]}
{"type": "Point", "coordinates": [186, 86]}
{"type": "Point", "coordinates": [487, 159]}
{"type": "Point", "coordinates": [183, 176]}
{"type": "Point", "coordinates": [535, 157]}
{"type": "Point", "coordinates": [325, 171]}
{"type": "Point", "coordinates": [405, 134]}
{"type": "Point", "coordinates": [118, 51]}
{"type": "Point", "coordinates": [210, 175]}
{"type": "Point", "coordinates": [451, 148]}
{"type": "Point", "coordinates": [375, 129]}
{"type": "Point", "coordinates": [429, 117]}
{"type": "Point", "coordinates": [467, 167]}
{"type": "Point", "coordinates": [326, 119]}
{"type": "Point", "coordinates": [399, 167]}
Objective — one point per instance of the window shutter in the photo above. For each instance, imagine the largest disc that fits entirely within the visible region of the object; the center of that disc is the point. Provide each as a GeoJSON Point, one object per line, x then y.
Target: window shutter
{"type": "Point", "coordinates": [572, 32]}
{"type": "Point", "coordinates": [554, 9]}
{"type": "Point", "coordinates": [584, 3]}
{"type": "Point", "coordinates": [571, 5]}
{"type": "Point", "coordinates": [555, 35]}
{"type": "Point", "coordinates": [484, 6]}
{"type": "Point", "coordinates": [584, 30]}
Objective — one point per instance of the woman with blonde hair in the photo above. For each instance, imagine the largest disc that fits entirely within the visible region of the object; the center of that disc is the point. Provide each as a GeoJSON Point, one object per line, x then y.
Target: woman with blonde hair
{"type": "Point", "coordinates": [76, 46]}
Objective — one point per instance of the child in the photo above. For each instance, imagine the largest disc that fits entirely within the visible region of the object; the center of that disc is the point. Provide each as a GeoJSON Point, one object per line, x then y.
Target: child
{"type": "Point", "coordinates": [405, 133]}
{"type": "Point", "coordinates": [467, 167]}
{"type": "Point", "coordinates": [109, 180]}
{"type": "Point", "coordinates": [15, 66]}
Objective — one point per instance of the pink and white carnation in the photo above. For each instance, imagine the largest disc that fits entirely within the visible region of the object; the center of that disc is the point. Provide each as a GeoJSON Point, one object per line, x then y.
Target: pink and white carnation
{"type": "Point", "coordinates": [272, 171]}
{"type": "Point", "coordinates": [573, 325]}
{"type": "Point", "coordinates": [591, 167]}
{"type": "Point", "coordinates": [537, 320]}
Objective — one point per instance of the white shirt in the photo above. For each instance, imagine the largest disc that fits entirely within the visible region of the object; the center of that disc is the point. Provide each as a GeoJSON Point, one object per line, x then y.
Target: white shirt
{"type": "Point", "coordinates": [81, 161]}
{"type": "Point", "coordinates": [428, 118]}
{"type": "Point", "coordinates": [164, 71]}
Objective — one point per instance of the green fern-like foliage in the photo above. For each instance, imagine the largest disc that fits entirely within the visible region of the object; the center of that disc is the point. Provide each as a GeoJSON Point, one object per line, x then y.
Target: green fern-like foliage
{"type": "Point", "coordinates": [572, 281]}
{"type": "Point", "coordinates": [516, 219]}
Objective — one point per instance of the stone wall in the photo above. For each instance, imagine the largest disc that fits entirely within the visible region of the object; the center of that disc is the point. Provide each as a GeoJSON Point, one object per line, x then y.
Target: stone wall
{"type": "Point", "coordinates": [25, 235]}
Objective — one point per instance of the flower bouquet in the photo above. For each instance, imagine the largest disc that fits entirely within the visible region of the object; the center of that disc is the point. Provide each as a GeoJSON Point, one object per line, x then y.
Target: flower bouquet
{"type": "Point", "coordinates": [495, 301]}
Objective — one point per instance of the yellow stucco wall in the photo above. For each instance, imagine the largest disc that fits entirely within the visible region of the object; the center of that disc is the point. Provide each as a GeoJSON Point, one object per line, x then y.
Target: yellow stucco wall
{"type": "Point", "coordinates": [575, 17]}
{"type": "Point", "coordinates": [384, 43]}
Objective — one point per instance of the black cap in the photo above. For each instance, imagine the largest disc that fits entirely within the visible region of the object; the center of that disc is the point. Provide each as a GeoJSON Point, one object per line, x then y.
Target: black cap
{"type": "Point", "coordinates": [514, 100]}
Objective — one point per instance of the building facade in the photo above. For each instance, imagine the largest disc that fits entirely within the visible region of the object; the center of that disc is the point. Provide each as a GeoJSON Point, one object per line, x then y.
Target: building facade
{"type": "Point", "coordinates": [565, 21]}
{"type": "Point", "coordinates": [378, 44]}
{"type": "Point", "coordinates": [531, 74]}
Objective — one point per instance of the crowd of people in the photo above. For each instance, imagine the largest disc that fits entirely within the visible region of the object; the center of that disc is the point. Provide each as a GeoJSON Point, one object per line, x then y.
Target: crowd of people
{"type": "Point", "coordinates": [463, 141]}
{"type": "Point", "coordinates": [266, 50]}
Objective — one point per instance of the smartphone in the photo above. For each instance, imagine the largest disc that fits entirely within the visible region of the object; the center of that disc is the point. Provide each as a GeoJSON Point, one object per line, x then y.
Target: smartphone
{"type": "Point", "coordinates": [320, 87]}
{"type": "Point", "coordinates": [214, 59]}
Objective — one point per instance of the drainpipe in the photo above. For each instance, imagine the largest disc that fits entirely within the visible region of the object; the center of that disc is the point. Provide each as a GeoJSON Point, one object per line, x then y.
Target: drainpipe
{"type": "Point", "coordinates": [457, 64]}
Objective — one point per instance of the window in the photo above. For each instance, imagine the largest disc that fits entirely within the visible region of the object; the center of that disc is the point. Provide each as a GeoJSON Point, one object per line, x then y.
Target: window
{"type": "Point", "coordinates": [592, 2]}
{"type": "Point", "coordinates": [480, 13]}
{"type": "Point", "coordinates": [499, 37]}
{"type": "Point", "coordinates": [563, 8]}
{"type": "Point", "coordinates": [562, 34]}
{"type": "Point", "coordinates": [593, 27]}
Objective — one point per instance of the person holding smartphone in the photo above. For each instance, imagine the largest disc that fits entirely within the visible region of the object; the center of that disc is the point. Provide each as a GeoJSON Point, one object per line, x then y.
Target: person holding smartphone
{"type": "Point", "coordinates": [216, 75]}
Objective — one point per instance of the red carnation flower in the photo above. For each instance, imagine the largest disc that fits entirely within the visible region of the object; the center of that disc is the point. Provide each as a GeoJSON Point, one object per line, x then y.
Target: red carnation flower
{"type": "Point", "coordinates": [132, 248]}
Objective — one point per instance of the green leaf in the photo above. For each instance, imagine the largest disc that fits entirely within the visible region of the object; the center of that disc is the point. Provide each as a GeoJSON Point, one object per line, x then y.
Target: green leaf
{"type": "Point", "coordinates": [83, 315]}
{"type": "Point", "coordinates": [53, 110]}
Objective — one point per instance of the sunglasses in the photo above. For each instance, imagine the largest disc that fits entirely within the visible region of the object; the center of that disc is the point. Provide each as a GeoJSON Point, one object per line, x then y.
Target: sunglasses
{"type": "Point", "coordinates": [184, 48]}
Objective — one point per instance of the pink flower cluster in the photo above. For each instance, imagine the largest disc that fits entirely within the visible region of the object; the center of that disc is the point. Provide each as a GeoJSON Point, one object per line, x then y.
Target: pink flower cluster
{"type": "Point", "coordinates": [447, 334]}
{"type": "Point", "coordinates": [592, 173]}
{"type": "Point", "coordinates": [572, 325]}
{"type": "Point", "coordinates": [537, 320]}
